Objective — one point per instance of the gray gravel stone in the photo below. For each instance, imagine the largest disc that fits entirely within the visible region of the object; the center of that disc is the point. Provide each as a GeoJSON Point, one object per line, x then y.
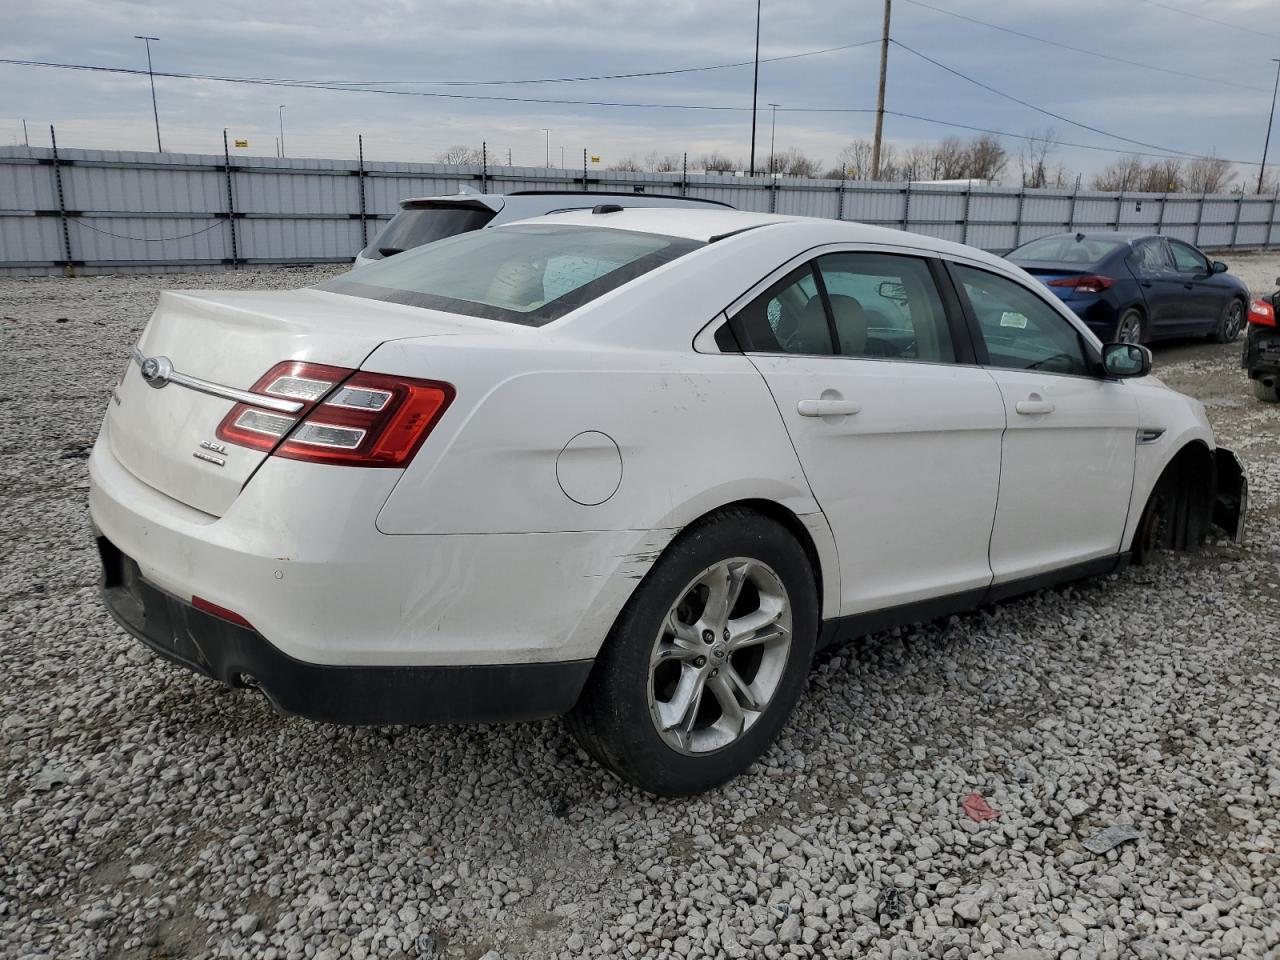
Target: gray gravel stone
{"type": "Point", "coordinates": [150, 812]}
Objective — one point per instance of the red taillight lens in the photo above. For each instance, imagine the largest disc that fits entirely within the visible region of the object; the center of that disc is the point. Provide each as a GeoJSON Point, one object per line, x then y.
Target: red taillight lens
{"type": "Point", "coordinates": [372, 420]}
{"type": "Point", "coordinates": [350, 418]}
{"type": "Point", "coordinates": [1086, 284]}
{"type": "Point", "coordinates": [1262, 313]}
{"type": "Point", "coordinates": [305, 383]}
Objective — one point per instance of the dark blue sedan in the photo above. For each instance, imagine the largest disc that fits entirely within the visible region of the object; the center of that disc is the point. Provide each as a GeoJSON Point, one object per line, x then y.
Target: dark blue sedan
{"type": "Point", "coordinates": [1138, 289]}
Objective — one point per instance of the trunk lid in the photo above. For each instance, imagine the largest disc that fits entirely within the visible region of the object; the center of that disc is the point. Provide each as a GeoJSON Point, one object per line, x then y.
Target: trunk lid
{"type": "Point", "coordinates": [231, 339]}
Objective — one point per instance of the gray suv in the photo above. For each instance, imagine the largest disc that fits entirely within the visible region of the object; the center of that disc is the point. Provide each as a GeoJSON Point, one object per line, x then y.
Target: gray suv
{"type": "Point", "coordinates": [426, 219]}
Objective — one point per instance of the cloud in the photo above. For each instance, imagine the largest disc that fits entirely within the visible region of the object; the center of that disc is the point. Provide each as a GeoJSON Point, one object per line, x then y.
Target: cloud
{"type": "Point", "coordinates": [483, 39]}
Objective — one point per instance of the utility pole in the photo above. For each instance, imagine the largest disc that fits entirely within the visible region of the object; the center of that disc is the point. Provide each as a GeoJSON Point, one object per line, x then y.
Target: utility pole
{"type": "Point", "coordinates": [773, 129]}
{"type": "Point", "coordinates": [154, 110]}
{"type": "Point", "coordinates": [280, 114]}
{"type": "Point", "coordinates": [884, 71]}
{"type": "Point", "coordinates": [562, 156]}
{"type": "Point", "coordinates": [25, 139]}
{"type": "Point", "coordinates": [755, 88]}
{"type": "Point", "coordinates": [547, 131]}
{"type": "Point", "coordinates": [1271, 116]}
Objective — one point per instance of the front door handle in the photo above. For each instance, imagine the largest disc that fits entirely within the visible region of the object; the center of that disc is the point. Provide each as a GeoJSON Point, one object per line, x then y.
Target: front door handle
{"type": "Point", "coordinates": [827, 408]}
{"type": "Point", "coordinates": [1033, 405]}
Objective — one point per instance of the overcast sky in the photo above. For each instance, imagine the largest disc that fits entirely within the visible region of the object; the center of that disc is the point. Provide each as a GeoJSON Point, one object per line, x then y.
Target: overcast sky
{"type": "Point", "coordinates": [346, 40]}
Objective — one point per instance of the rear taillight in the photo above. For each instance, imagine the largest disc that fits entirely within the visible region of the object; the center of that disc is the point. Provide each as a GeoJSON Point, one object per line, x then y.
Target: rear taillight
{"type": "Point", "coordinates": [1262, 313]}
{"type": "Point", "coordinates": [348, 417]}
{"type": "Point", "coordinates": [1090, 283]}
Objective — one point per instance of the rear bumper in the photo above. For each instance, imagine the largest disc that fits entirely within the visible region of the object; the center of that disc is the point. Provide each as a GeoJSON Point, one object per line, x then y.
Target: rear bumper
{"type": "Point", "coordinates": [1262, 352]}
{"type": "Point", "coordinates": [298, 555]}
{"type": "Point", "coordinates": [238, 657]}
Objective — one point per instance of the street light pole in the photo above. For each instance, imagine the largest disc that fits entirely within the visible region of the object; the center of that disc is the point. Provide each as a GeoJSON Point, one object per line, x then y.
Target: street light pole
{"type": "Point", "coordinates": [773, 129]}
{"type": "Point", "coordinates": [280, 114]}
{"type": "Point", "coordinates": [1270, 117]}
{"type": "Point", "coordinates": [155, 112]}
{"type": "Point", "coordinates": [547, 131]}
{"type": "Point", "coordinates": [755, 87]}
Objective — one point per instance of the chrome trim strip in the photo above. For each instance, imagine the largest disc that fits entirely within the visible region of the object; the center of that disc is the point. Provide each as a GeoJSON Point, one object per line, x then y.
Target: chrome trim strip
{"type": "Point", "coordinates": [226, 393]}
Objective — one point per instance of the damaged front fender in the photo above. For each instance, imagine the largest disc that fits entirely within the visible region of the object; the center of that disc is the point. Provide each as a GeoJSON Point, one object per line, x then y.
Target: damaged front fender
{"type": "Point", "coordinates": [1231, 494]}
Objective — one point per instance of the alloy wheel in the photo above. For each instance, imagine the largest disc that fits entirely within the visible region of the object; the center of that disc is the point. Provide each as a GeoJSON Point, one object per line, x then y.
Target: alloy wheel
{"type": "Point", "coordinates": [1130, 330]}
{"type": "Point", "coordinates": [1234, 321]}
{"type": "Point", "coordinates": [719, 656]}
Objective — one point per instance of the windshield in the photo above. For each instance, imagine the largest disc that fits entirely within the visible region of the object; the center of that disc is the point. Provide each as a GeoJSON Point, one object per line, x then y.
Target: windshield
{"type": "Point", "coordinates": [529, 273]}
{"type": "Point", "coordinates": [419, 224]}
{"type": "Point", "coordinates": [1066, 248]}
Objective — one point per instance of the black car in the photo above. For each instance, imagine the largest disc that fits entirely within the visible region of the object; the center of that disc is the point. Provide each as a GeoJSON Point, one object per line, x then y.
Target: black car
{"type": "Point", "coordinates": [1138, 288]}
{"type": "Point", "coordinates": [1262, 348]}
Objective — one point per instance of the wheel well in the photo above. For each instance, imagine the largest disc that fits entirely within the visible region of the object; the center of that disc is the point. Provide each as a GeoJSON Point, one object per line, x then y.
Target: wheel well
{"type": "Point", "coordinates": [1181, 503]}
{"type": "Point", "coordinates": [777, 512]}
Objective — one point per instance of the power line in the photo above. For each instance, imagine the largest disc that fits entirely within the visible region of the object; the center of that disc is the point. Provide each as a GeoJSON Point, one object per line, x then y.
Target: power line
{"type": "Point", "coordinates": [309, 85]}
{"type": "Point", "coordinates": [1074, 49]}
{"type": "Point", "coordinates": [608, 103]}
{"type": "Point", "coordinates": [604, 76]}
{"type": "Point", "coordinates": [1221, 23]}
{"type": "Point", "coordinates": [1053, 140]}
{"type": "Point", "coordinates": [1048, 113]}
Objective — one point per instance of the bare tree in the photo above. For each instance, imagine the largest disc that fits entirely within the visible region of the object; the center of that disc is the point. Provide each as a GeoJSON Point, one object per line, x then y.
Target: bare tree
{"type": "Point", "coordinates": [626, 165]}
{"type": "Point", "coordinates": [459, 153]}
{"type": "Point", "coordinates": [663, 163]}
{"type": "Point", "coordinates": [1207, 175]}
{"type": "Point", "coordinates": [1123, 174]}
{"type": "Point", "coordinates": [855, 159]}
{"type": "Point", "coordinates": [794, 162]}
{"type": "Point", "coordinates": [987, 158]}
{"type": "Point", "coordinates": [952, 159]}
{"type": "Point", "coordinates": [716, 162]}
{"type": "Point", "coordinates": [1033, 158]}
{"type": "Point", "coordinates": [917, 162]}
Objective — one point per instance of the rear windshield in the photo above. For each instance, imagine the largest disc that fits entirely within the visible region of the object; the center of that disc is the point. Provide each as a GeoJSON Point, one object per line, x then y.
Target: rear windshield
{"type": "Point", "coordinates": [528, 273]}
{"type": "Point", "coordinates": [422, 224]}
{"type": "Point", "coordinates": [1066, 249]}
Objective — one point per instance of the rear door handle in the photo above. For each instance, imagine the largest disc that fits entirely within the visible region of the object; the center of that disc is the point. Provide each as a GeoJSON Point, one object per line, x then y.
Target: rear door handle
{"type": "Point", "coordinates": [827, 408]}
{"type": "Point", "coordinates": [1033, 405]}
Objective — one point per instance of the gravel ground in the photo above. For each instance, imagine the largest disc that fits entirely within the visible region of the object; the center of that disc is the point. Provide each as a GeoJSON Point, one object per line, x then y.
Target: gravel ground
{"type": "Point", "coordinates": [145, 812]}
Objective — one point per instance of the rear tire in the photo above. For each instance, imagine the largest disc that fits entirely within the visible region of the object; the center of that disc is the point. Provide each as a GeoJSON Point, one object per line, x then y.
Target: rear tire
{"type": "Point", "coordinates": [673, 644]}
{"type": "Point", "coordinates": [1267, 394]}
{"type": "Point", "coordinates": [1130, 328]}
{"type": "Point", "coordinates": [1230, 323]}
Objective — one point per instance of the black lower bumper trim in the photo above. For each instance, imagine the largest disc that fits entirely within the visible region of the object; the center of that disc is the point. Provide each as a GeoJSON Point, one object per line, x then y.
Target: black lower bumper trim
{"type": "Point", "coordinates": [415, 695]}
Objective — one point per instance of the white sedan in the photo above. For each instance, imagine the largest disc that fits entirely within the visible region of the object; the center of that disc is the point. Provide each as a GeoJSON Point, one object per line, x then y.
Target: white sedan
{"type": "Point", "coordinates": [629, 466]}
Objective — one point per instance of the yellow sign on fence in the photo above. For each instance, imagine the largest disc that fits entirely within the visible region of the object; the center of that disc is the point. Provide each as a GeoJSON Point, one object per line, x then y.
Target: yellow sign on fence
{"type": "Point", "coordinates": [595, 159]}
{"type": "Point", "coordinates": [242, 143]}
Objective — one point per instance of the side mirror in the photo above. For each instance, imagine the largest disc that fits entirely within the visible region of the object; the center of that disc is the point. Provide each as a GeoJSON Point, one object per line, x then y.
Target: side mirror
{"type": "Point", "coordinates": [1218, 267]}
{"type": "Point", "coordinates": [1125, 360]}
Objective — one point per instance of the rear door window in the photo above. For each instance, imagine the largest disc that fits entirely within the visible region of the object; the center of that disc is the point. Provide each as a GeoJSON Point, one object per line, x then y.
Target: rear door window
{"type": "Point", "coordinates": [1149, 258]}
{"type": "Point", "coordinates": [886, 306]}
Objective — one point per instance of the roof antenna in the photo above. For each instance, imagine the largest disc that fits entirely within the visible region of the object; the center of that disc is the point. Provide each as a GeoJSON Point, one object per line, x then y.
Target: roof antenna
{"type": "Point", "coordinates": [1079, 237]}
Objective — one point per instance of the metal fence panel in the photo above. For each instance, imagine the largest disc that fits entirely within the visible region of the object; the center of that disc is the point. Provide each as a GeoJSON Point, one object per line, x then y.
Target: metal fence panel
{"type": "Point", "coordinates": [128, 211]}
